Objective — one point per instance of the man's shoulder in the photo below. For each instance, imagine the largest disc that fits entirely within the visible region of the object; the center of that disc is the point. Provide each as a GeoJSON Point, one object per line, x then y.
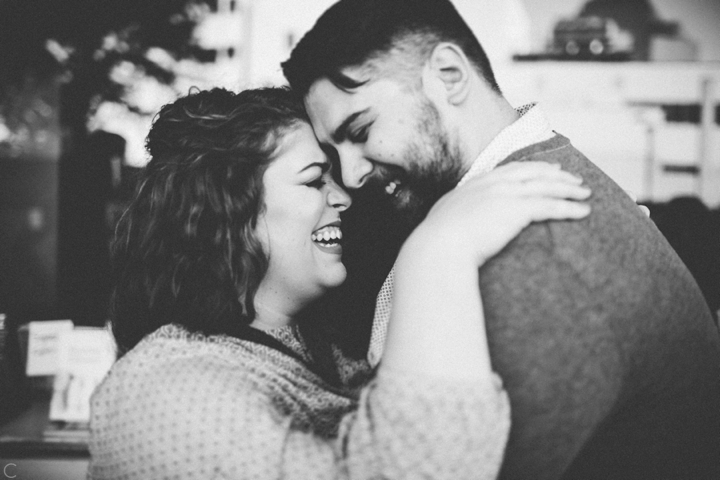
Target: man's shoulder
{"type": "Point", "coordinates": [616, 252]}
{"type": "Point", "coordinates": [607, 194]}
{"type": "Point", "coordinates": [556, 149]}
{"type": "Point", "coordinates": [553, 145]}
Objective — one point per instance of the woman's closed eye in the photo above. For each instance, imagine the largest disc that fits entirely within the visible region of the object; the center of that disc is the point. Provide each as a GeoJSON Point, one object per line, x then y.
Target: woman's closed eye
{"type": "Point", "coordinates": [319, 182]}
{"type": "Point", "coordinates": [321, 177]}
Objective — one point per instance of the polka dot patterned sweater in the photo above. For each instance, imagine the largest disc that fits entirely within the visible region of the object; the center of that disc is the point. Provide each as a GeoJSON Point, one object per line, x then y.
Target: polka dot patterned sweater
{"type": "Point", "coordinates": [181, 405]}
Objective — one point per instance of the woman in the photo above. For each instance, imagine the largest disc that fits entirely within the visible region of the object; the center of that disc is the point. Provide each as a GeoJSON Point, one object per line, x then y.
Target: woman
{"type": "Point", "coordinates": [234, 231]}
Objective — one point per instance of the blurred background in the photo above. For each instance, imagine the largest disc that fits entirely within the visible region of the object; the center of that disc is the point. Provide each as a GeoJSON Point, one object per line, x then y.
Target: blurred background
{"type": "Point", "coordinates": [634, 84]}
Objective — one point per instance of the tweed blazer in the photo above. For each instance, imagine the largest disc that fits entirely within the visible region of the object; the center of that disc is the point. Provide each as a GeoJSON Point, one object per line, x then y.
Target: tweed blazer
{"type": "Point", "coordinates": [606, 346]}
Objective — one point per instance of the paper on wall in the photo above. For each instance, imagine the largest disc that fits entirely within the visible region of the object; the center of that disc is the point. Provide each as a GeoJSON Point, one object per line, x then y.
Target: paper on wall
{"type": "Point", "coordinates": [84, 357]}
{"type": "Point", "coordinates": [43, 346]}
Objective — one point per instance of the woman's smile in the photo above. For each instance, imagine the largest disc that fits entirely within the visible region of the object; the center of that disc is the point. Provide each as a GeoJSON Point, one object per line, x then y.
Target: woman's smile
{"type": "Point", "coordinates": [328, 238]}
{"type": "Point", "coordinates": [300, 225]}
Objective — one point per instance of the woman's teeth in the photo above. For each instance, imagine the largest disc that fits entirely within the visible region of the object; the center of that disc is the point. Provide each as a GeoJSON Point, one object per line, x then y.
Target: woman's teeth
{"type": "Point", "coordinates": [327, 235]}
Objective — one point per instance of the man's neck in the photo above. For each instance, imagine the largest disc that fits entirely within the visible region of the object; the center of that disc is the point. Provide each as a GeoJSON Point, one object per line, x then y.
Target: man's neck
{"type": "Point", "coordinates": [486, 118]}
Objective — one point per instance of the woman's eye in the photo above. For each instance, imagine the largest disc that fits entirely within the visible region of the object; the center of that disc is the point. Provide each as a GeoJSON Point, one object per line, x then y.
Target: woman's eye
{"type": "Point", "coordinates": [317, 183]}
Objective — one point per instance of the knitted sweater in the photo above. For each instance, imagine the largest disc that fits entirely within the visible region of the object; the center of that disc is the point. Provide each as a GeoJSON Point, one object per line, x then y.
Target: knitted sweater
{"type": "Point", "coordinates": [183, 405]}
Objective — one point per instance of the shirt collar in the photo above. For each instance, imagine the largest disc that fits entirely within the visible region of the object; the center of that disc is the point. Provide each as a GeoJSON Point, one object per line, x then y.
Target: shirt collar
{"type": "Point", "coordinates": [532, 127]}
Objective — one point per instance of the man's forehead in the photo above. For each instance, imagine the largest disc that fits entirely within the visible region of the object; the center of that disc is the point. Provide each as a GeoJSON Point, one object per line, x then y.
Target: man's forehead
{"type": "Point", "coordinates": [319, 89]}
{"type": "Point", "coordinates": [327, 106]}
{"type": "Point", "coordinates": [347, 84]}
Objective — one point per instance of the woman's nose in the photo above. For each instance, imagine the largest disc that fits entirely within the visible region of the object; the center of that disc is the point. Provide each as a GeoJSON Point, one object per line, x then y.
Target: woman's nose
{"type": "Point", "coordinates": [338, 198]}
{"type": "Point", "coordinates": [355, 168]}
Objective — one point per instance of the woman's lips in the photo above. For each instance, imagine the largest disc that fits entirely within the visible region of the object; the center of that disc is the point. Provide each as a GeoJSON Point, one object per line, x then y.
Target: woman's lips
{"type": "Point", "coordinates": [328, 238]}
{"type": "Point", "coordinates": [335, 249]}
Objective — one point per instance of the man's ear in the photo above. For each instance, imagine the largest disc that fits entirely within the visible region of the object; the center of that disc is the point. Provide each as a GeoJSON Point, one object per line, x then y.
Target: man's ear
{"type": "Point", "coordinates": [449, 69]}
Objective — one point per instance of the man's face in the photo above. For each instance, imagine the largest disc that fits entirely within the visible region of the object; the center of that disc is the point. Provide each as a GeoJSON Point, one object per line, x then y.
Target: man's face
{"type": "Point", "coordinates": [390, 138]}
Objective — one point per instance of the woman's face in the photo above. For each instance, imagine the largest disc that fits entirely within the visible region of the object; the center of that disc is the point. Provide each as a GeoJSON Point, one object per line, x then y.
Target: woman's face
{"type": "Point", "coordinates": [300, 224]}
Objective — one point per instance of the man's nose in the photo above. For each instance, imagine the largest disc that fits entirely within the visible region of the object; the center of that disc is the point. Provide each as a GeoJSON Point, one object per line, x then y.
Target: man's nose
{"type": "Point", "coordinates": [355, 168]}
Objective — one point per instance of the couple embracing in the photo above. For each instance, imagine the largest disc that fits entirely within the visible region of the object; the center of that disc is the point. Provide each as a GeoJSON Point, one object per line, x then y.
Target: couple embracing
{"type": "Point", "coordinates": [586, 352]}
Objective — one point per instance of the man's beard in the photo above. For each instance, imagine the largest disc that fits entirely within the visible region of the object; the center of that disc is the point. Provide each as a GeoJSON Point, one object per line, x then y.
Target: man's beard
{"type": "Point", "coordinates": [431, 169]}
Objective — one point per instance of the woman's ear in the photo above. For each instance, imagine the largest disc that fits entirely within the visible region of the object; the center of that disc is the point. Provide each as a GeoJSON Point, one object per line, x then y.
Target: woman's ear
{"type": "Point", "coordinates": [449, 71]}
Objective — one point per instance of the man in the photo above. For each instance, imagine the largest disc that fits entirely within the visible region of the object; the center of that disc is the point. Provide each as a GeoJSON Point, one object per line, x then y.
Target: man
{"type": "Point", "coordinates": [601, 335]}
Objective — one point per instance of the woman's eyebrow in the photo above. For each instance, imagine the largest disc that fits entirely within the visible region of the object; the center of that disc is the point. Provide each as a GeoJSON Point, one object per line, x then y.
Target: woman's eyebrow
{"type": "Point", "coordinates": [324, 166]}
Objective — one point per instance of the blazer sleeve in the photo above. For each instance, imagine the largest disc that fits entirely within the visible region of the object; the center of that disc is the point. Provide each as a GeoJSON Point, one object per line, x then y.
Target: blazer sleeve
{"type": "Point", "coordinates": [552, 341]}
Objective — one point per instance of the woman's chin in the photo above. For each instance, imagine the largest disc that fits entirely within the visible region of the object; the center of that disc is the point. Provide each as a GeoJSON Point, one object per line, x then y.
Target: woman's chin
{"type": "Point", "coordinates": [335, 278]}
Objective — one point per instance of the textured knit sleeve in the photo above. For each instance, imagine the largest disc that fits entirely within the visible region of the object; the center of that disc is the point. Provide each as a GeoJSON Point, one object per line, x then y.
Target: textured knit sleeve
{"type": "Point", "coordinates": [405, 428]}
{"type": "Point", "coordinates": [211, 426]}
{"type": "Point", "coordinates": [412, 427]}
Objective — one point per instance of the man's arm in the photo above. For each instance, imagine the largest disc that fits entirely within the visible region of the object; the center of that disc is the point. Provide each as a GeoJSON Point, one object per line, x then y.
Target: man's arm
{"type": "Point", "coordinates": [551, 343]}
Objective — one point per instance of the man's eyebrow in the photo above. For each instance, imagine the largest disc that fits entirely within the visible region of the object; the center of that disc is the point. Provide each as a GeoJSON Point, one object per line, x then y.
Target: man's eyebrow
{"type": "Point", "coordinates": [340, 133]}
{"type": "Point", "coordinates": [345, 82]}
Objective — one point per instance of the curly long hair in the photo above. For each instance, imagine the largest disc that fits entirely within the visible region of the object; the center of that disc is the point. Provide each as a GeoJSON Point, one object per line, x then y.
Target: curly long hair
{"type": "Point", "coordinates": [185, 251]}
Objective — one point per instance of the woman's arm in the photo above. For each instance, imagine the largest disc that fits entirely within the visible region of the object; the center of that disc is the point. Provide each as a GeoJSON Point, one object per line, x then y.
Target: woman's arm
{"type": "Point", "coordinates": [197, 411]}
{"type": "Point", "coordinates": [434, 410]}
{"type": "Point", "coordinates": [437, 323]}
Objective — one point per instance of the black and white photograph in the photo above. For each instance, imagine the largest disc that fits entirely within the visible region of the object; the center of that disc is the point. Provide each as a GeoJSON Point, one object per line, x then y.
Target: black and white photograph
{"type": "Point", "coordinates": [360, 239]}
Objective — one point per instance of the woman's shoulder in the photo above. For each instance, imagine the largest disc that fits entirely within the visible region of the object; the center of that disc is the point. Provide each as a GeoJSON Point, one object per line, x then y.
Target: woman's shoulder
{"type": "Point", "coordinates": [178, 382]}
{"type": "Point", "coordinates": [172, 361]}
{"type": "Point", "coordinates": [190, 390]}
{"type": "Point", "coordinates": [171, 344]}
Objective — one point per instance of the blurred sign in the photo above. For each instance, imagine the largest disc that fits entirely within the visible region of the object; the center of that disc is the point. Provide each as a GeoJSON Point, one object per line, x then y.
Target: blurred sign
{"type": "Point", "coordinates": [44, 346]}
{"type": "Point", "coordinates": [85, 355]}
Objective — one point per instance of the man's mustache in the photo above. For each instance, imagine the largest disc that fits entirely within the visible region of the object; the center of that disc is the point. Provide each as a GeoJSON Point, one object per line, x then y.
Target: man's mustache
{"type": "Point", "coordinates": [381, 175]}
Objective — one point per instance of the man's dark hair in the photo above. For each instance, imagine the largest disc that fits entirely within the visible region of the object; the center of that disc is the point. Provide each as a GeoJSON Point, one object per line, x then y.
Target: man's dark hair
{"type": "Point", "coordinates": [353, 31]}
{"type": "Point", "coordinates": [185, 251]}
